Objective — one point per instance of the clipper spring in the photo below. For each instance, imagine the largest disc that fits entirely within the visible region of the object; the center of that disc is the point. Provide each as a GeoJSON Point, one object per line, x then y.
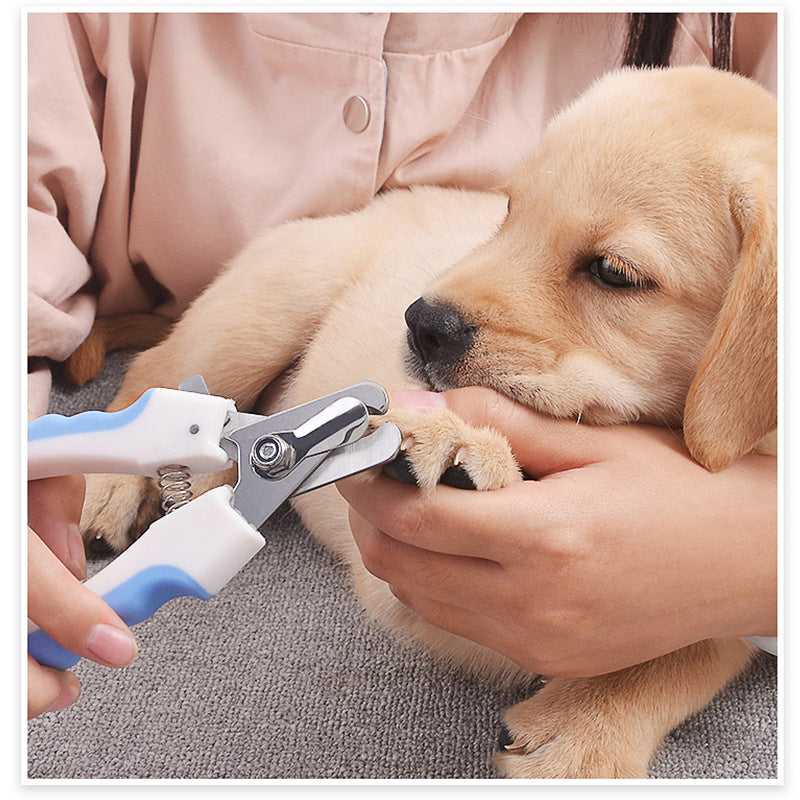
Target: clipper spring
{"type": "Point", "coordinates": [175, 490]}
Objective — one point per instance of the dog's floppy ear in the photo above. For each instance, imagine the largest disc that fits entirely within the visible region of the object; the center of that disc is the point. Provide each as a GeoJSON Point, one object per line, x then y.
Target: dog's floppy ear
{"type": "Point", "coordinates": [733, 401]}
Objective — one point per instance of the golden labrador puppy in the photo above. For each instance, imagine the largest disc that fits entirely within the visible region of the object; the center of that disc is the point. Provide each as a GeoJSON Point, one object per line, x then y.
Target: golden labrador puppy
{"type": "Point", "coordinates": [627, 272]}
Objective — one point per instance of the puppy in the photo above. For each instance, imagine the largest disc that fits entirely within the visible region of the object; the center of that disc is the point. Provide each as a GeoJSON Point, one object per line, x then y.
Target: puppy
{"type": "Point", "coordinates": [626, 272]}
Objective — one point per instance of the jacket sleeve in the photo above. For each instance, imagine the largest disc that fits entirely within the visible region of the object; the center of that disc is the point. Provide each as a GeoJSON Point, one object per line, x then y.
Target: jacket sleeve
{"type": "Point", "coordinates": [65, 181]}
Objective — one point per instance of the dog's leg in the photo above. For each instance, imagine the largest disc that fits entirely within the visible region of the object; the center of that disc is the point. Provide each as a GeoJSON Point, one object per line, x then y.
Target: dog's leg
{"type": "Point", "coordinates": [248, 327]}
{"type": "Point", "coordinates": [611, 726]}
{"type": "Point", "coordinates": [255, 319]}
{"type": "Point", "coordinates": [118, 509]}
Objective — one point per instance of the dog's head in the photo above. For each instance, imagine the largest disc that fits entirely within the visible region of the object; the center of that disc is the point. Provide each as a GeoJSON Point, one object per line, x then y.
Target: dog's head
{"type": "Point", "coordinates": [635, 275]}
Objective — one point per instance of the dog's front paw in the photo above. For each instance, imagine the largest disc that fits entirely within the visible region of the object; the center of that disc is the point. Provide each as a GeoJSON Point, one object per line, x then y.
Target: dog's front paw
{"type": "Point", "coordinates": [117, 511]}
{"type": "Point", "coordinates": [567, 730]}
{"type": "Point", "coordinates": [440, 446]}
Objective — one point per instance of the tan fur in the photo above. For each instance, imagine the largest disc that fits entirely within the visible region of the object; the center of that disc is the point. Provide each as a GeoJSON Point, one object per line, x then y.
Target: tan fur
{"type": "Point", "coordinates": [439, 441]}
{"type": "Point", "coordinates": [671, 173]}
{"type": "Point", "coordinates": [557, 731]}
{"type": "Point", "coordinates": [743, 350]}
{"type": "Point", "coordinates": [126, 331]}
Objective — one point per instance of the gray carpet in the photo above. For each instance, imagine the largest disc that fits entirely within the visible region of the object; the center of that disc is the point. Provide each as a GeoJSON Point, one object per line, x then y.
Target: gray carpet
{"type": "Point", "coordinates": [282, 676]}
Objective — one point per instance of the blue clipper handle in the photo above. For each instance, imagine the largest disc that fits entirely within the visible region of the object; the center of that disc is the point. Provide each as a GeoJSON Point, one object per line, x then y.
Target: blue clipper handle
{"type": "Point", "coordinates": [135, 600]}
{"type": "Point", "coordinates": [53, 425]}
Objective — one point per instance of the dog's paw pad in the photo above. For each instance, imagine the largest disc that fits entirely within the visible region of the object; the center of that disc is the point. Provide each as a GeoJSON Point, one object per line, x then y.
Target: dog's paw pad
{"type": "Point", "coordinates": [458, 477]}
{"type": "Point", "coordinates": [400, 469]}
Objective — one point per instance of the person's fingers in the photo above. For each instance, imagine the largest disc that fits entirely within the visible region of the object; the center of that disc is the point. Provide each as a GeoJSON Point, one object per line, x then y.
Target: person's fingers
{"type": "Point", "coordinates": [72, 614]}
{"type": "Point", "coordinates": [464, 622]}
{"type": "Point", "coordinates": [463, 580]}
{"type": "Point", "coordinates": [50, 689]}
{"type": "Point", "coordinates": [542, 445]}
{"type": "Point", "coordinates": [54, 511]}
{"type": "Point", "coordinates": [438, 521]}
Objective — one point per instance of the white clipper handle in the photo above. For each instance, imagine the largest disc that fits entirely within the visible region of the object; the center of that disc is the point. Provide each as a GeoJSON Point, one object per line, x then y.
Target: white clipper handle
{"type": "Point", "coordinates": [164, 426]}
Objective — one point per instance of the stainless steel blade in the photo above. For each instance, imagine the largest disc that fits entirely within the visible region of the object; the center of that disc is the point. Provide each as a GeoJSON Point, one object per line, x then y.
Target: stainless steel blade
{"type": "Point", "coordinates": [194, 383]}
{"type": "Point", "coordinates": [257, 497]}
{"type": "Point", "coordinates": [372, 450]}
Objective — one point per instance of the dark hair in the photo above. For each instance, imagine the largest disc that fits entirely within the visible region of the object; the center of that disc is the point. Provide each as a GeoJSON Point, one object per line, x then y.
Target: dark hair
{"type": "Point", "coordinates": [650, 38]}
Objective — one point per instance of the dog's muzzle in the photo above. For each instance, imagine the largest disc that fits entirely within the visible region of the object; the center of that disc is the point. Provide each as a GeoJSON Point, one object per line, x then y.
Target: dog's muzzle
{"type": "Point", "coordinates": [438, 338]}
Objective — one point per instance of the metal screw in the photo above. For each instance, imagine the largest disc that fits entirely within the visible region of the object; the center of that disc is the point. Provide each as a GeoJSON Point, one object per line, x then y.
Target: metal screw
{"type": "Point", "coordinates": [272, 457]}
{"type": "Point", "coordinates": [194, 428]}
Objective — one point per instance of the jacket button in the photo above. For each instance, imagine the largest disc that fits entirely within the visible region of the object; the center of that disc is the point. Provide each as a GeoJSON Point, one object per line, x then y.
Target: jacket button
{"type": "Point", "coordinates": [356, 114]}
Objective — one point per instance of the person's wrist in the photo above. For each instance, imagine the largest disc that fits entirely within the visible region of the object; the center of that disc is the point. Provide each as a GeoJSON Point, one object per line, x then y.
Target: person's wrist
{"type": "Point", "coordinates": [748, 549]}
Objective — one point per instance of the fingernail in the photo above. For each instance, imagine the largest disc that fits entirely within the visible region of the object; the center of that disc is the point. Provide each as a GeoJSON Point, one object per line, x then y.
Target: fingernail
{"type": "Point", "coordinates": [111, 645]}
{"type": "Point", "coordinates": [67, 697]}
{"type": "Point", "coordinates": [76, 550]}
{"type": "Point", "coordinates": [417, 399]}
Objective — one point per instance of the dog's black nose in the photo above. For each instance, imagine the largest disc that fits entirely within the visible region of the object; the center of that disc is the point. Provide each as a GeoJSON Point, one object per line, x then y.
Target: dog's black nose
{"type": "Point", "coordinates": [438, 332]}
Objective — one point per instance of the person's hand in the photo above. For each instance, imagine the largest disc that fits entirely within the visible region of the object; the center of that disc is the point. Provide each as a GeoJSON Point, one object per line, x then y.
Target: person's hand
{"type": "Point", "coordinates": [57, 601]}
{"type": "Point", "coordinates": [622, 550]}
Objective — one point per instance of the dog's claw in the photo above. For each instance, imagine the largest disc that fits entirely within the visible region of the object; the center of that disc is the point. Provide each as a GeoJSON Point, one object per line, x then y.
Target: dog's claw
{"type": "Point", "coordinates": [505, 740]}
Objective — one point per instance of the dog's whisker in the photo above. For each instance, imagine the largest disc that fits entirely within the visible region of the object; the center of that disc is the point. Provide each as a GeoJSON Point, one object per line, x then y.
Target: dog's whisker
{"type": "Point", "coordinates": [540, 342]}
{"type": "Point", "coordinates": [428, 269]}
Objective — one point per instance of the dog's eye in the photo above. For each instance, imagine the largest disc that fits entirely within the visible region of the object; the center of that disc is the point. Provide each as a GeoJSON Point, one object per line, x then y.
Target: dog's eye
{"type": "Point", "coordinates": [608, 273]}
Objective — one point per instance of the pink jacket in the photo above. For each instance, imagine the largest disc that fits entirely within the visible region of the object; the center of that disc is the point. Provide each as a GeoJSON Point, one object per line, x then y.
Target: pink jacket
{"type": "Point", "coordinates": [159, 143]}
